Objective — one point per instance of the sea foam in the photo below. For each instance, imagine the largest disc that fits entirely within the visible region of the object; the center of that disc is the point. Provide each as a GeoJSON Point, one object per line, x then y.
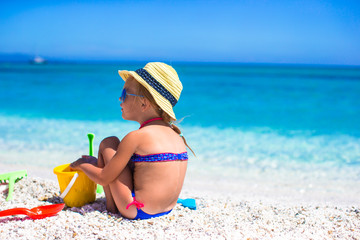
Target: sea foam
{"type": "Point", "coordinates": [54, 141]}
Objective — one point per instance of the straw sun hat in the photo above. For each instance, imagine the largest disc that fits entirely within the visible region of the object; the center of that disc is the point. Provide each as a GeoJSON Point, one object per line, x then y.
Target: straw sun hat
{"type": "Point", "coordinates": [161, 80]}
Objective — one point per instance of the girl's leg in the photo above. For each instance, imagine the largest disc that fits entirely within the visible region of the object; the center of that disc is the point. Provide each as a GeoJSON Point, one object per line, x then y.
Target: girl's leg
{"type": "Point", "coordinates": [107, 150]}
{"type": "Point", "coordinates": [121, 193]}
{"type": "Point", "coordinates": [117, 193]}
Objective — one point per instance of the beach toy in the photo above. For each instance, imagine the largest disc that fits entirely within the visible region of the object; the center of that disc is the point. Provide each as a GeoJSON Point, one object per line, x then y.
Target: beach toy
{"type": "Point", "coordinates": [189, 203]}
{"type": "Point", "coordinates": [91, 136]}
{"type": "Point", "coordinates": [35, 213]}
{"type": "Point", "coordinates": [77, 189]}
{"type": "Point", "coordinates": [11, 178]}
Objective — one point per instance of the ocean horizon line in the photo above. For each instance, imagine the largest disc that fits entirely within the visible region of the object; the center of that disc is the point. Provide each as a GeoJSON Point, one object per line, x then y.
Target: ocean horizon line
{"type": "Point", "coordinates": [27, 58]}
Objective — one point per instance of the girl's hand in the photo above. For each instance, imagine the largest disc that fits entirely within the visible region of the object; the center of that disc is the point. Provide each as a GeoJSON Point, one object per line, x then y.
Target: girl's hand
{"type": "Point", "coordinates": [84, 159]}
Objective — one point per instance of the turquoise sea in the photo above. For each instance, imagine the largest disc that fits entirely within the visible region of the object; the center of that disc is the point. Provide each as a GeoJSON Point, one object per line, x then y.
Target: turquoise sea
{"type": "Point", "coordinates": [236, 117]}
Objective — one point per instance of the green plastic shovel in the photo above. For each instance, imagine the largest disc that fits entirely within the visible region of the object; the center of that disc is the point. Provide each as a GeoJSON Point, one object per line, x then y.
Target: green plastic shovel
{"type": "Point", "coordinates": [91, 136]}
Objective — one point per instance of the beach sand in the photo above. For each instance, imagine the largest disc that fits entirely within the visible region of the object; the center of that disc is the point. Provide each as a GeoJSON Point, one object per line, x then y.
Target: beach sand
{"type": "Point", "coordinates": [227, 209]}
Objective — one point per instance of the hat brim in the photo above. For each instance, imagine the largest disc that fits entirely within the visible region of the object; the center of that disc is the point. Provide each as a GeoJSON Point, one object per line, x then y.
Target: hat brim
{"type": "Point", "coordinates": [163, 103]}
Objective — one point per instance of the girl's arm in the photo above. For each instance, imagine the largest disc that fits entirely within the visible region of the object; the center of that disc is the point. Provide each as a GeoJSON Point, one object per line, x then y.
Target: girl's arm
{"type": "Point", "coordinates": [115, 166]}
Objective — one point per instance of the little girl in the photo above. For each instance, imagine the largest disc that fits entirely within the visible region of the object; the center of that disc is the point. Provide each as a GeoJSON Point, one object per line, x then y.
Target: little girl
{"type": "Point", "coordinates": [143, 174]}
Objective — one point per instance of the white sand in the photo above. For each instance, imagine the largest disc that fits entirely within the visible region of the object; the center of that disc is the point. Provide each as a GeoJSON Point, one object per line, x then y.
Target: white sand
{"type": "Point", "coordinates": [219, 216]}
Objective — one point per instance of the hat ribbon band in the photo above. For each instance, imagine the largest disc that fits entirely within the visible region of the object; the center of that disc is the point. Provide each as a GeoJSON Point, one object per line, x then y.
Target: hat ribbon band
{"type": "Point", "coordinates": [156, 85]}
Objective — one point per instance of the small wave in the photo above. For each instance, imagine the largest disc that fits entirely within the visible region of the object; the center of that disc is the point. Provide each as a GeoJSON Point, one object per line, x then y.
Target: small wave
{"type": "Point", "coordinates": [234, 148]}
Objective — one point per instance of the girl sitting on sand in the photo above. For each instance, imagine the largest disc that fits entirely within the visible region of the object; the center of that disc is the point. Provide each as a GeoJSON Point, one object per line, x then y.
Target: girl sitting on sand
{"type": "Point", "coordinates": [143, 174]}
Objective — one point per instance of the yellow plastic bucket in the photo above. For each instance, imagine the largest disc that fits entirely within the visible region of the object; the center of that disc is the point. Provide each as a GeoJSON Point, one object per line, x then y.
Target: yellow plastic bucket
{"type": "Point", "coordinates": [83, 191]}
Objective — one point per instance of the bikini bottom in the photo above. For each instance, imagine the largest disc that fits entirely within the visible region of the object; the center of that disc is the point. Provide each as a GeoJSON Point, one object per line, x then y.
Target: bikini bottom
{"type": "Point", "coordinates": [140, 213]}
{"type": "Point", "coordinates": [143, 215]}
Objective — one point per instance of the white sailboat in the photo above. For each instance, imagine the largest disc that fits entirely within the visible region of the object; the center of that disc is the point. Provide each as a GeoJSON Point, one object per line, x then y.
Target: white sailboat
{"type": "Point", "coordinates": [38, 60]}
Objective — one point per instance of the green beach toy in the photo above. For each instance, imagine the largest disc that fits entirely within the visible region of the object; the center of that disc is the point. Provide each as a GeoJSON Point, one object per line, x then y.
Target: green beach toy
{"type": "Point", "coordinates": [11, 178]}
{"type": "Point", "coordinates": [91, 136]}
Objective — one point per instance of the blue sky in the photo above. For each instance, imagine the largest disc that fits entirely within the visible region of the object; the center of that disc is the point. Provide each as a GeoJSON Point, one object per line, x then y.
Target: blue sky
{"type": "Point", "coordinates": [273, 31]}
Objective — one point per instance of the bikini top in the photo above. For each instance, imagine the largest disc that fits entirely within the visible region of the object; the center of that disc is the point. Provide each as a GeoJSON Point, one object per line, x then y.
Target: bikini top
{"type": "Point", "coordinates": [160, 157]}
